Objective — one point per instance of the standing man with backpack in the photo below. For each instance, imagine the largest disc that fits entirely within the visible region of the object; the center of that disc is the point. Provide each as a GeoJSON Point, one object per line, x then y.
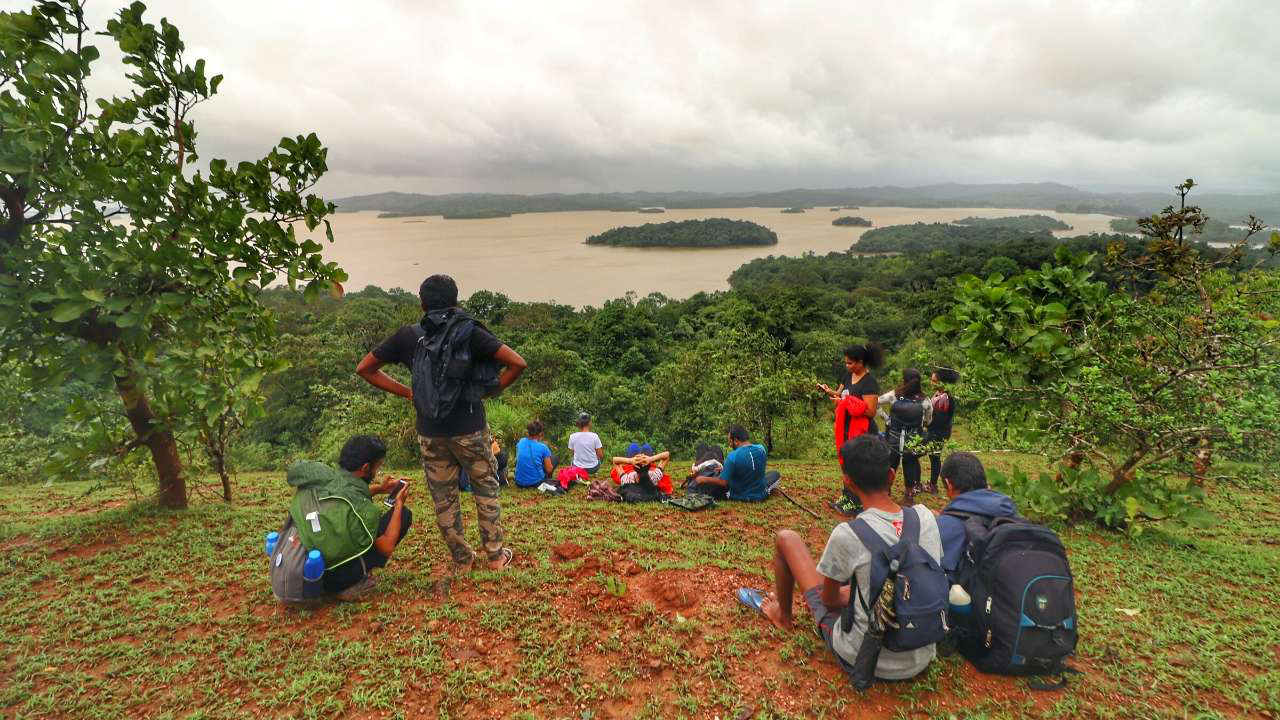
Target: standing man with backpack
{"type": "Point", "coordinates": [454, 360]}
{"type": "Point", "coordinates": [848, 614]}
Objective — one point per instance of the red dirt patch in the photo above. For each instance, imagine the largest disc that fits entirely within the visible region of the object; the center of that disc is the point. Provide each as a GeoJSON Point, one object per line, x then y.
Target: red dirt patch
{"type": "Point", "coordinates": [567, 551]}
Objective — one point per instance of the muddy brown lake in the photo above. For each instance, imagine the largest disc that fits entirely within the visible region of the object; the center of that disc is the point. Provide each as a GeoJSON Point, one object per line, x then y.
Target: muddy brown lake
{"type": "Point", "coordinates": [543, 256]}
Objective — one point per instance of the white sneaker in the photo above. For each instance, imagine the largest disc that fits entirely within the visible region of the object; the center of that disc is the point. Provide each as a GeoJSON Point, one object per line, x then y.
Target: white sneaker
{"type": "Point", "coordinates": [547, 487]}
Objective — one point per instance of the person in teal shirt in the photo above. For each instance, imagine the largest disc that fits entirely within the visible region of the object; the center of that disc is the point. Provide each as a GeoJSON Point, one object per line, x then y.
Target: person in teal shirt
{"type": "Point", "coordinates": [744, 476]}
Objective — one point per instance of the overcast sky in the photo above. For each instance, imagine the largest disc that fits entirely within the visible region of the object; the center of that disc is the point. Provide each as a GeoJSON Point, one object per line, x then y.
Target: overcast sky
{"type": "Point", "coordinates": [603, 96]}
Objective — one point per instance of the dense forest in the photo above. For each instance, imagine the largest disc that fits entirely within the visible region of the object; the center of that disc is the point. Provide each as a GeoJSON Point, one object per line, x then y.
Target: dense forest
{"type": "Point", "coordinates": [851, 221]}
{"type": "Point", "coordinates": [713, 232]}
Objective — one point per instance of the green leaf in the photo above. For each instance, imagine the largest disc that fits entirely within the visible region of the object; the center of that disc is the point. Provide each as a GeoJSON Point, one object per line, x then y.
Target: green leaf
{"type": "Point", "coordinates": [95, 295]}
{"type": "Point", "coordinates": [68, 311]}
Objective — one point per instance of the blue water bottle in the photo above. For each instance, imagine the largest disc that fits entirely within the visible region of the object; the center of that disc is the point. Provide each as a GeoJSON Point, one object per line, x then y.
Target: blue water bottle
{"type": "Point", "coordinates": [312, 571]}
{"type": "Point", "coordinates": [272, 539]}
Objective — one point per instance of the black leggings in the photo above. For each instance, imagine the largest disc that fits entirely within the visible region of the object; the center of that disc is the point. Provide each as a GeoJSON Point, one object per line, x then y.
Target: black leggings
{"type": "Point", "coordinates": [910, 468]}
{"type": "Point", "coordinates": [935, 469]}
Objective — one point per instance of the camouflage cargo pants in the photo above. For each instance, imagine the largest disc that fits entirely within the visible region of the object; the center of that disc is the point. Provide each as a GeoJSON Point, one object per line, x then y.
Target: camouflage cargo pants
{"type": "Point", "coordinates": [441, 459]}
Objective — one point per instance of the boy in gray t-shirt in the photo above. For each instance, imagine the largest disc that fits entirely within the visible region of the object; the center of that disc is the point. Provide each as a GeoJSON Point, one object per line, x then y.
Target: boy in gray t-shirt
{"type": "Point", "coordinates": [865, 465]}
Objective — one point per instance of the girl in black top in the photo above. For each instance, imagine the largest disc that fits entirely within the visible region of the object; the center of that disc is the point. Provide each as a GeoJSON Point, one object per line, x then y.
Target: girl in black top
{"type": "Point", "coordinates": [859, 362]}
{"type": "Point", "coordinates": [944, 410]}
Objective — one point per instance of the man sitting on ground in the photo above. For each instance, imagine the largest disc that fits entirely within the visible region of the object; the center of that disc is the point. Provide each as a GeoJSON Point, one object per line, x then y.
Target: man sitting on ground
{"type": "Point", "coordinates": [350, 552]}
{"type": "Point", "coordinates": [743, 476]}
{"type": "Point", "coordinates": [865, 467]}
{"type": "Point", "coordinates": [966, 483]}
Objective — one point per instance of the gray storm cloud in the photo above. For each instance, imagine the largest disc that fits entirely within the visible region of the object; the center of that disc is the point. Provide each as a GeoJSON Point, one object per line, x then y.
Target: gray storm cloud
{"type": "Point", "coordinates": [551, 96]}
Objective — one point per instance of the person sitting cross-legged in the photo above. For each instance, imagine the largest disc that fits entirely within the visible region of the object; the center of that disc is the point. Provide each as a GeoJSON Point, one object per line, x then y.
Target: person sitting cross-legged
{"type": "Point", "coordinates": [865, 468]}
{"type": "Point", "coordinates": [534, 461]}
{"type": "Point", "coordinates": [744, 475]}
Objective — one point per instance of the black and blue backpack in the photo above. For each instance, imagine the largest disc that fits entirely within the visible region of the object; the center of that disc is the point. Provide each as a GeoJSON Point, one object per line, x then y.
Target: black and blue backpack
{"type": "Point", "coordinates": [1023, 620]}
{"type": "Point", "coordinates": [444, 373]}
{"type": "Point", "coordinates": [919, 586]}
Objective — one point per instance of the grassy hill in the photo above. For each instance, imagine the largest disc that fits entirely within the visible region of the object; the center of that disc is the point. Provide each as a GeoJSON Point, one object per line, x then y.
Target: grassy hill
{"type": "Point", "coordinates": [174, 618]}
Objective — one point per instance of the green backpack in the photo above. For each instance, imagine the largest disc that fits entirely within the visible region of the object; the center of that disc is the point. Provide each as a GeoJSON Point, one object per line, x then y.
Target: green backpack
{"type": "Point", "coordinates": [333, 512]}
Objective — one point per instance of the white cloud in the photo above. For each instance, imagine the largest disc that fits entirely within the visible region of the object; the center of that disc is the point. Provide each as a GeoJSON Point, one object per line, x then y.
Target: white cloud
{"type": "Point", "coordinates": [546, 96]}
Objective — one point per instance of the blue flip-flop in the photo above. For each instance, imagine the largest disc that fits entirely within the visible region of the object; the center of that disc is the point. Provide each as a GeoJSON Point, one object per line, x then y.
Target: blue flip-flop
{"type": "Point", "coordinates": [752, 598]}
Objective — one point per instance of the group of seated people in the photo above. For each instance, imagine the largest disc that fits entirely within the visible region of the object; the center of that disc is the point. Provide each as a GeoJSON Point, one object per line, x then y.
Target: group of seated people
{"type": "Point", "coordinates": [825, 584]}
{"type": "Point", "coordinates": [741, 475]}
{"type": "Point", "coordinates": [641, 474]}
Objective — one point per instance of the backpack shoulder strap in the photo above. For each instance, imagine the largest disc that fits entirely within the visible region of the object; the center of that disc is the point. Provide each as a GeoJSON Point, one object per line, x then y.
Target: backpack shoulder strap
{"type": "Point", "coordinates": [869, 537]}
{"type": "Point", "coordinates": [910, 526]}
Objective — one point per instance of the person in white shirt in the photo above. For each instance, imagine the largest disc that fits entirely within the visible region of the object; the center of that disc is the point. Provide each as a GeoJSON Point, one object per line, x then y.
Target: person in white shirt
{"type": "Point", "coordinates": [588, 452]}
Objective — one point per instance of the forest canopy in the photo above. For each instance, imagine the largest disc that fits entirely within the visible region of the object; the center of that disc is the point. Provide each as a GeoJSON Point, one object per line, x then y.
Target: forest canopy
{"type": "Point", "coordinates": [1028, 223]}
{"type": "Point", "coordinates": [715, 232]}
{"type": "Point", "coordinates": [851, 221]}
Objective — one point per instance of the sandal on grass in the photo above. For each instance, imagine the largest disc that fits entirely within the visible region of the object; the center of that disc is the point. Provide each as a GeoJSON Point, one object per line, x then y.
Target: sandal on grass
{"type": "Point", "coordinates": [752, 598]}
{"type": "Point", "coordinates": [503, 561]}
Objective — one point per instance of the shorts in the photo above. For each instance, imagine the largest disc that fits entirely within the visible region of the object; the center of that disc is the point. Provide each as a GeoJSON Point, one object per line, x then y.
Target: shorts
{"type": "Point", "coordinates": [825, 619]}
{"type": "Point", "coordinates": [590, 471]}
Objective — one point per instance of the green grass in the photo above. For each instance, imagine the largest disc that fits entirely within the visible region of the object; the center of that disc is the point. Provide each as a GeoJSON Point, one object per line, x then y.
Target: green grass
{"type": "Point", "coordinates": [111, 608]}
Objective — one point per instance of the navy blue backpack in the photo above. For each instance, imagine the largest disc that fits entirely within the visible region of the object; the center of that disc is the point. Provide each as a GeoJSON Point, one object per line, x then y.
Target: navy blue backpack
{"type": "Point", "coordinates": [919, 586]}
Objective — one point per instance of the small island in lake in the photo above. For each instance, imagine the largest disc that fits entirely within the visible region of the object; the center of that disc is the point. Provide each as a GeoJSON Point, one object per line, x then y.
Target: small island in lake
{"type": "Point", "coordinates": [1025, 223]}
{"type": "Point", "coordinates": [715, 232]}
{"type": "Point", "coordinates": [851, 221]}
{"type": "Point", "coordinates": [794, 210]}
{"type": "Point", "coordinates": [651, 210]}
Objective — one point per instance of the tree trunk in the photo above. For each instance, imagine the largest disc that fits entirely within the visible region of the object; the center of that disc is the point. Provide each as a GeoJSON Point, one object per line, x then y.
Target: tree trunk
{"type": "Point", "coordinates": [161, 443]}
{"type": "Point", "coordinates": [218, 451]}
{"type": "Point", "coordinates": [1125, 473]}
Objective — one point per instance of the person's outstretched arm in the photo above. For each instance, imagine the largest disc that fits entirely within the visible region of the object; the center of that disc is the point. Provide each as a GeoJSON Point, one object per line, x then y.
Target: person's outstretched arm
{"type": "Point", "coordinates": [370, 368]}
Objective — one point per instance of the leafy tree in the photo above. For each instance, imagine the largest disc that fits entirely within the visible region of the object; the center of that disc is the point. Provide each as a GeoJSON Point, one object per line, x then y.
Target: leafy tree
{"type": "Point", "coordinates": [119, 260]}
{"type": "Point", "coordinates": [1140, 387]}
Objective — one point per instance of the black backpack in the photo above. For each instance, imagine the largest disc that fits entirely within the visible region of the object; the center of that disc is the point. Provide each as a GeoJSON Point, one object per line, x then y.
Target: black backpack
{"type": "Point", "coordinates": [906, 422]}
{"type": "Point", "coordinates": [444, 373]}
{"type": "Point", "coordinates": [1023, 614]}
{"type": "Point", "coordinates": [919, 586]}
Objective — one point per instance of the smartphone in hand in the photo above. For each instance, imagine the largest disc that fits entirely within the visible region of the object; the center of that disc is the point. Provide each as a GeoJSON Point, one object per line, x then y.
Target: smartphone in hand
{"type": "Point", "coordinates": [391, 496]}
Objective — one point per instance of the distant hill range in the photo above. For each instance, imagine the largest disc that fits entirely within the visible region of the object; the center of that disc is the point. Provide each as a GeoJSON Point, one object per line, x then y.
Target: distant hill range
{"type": "Point", "coordinates": [1230, 208]}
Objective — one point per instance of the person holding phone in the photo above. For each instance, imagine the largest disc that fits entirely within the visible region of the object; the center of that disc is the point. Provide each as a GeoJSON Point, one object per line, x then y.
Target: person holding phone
{"type": "Point", "coordinates": [859, 381]}
{"type": "Point", "coordinates": [361, 458]}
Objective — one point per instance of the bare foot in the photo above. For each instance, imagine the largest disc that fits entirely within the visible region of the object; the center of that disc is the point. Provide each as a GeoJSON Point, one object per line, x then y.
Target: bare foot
{"type": "Point", "coordinates": [772, 610]}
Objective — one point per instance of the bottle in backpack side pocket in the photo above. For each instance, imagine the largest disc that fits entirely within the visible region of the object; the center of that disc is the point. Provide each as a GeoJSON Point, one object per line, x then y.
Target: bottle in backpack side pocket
{"type": "Point", "coordinates": [272, 539]}
{"type": "Point", "coordinates": [959, 600]}
{"type": "Point", "coordinates": [312, 572]}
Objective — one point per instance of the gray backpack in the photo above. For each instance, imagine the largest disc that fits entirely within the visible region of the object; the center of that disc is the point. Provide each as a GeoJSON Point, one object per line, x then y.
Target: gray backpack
{"type": "Point", "coordinates": [286, 566]}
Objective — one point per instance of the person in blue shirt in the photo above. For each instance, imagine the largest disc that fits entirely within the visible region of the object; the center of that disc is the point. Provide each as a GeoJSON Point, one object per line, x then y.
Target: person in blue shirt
{"type": "Point", "coordinates": [966, 483]}
{"type": "Point", "coordinates": [534, 463]}
{"type": "Point", "coordinates": [744, 476]}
